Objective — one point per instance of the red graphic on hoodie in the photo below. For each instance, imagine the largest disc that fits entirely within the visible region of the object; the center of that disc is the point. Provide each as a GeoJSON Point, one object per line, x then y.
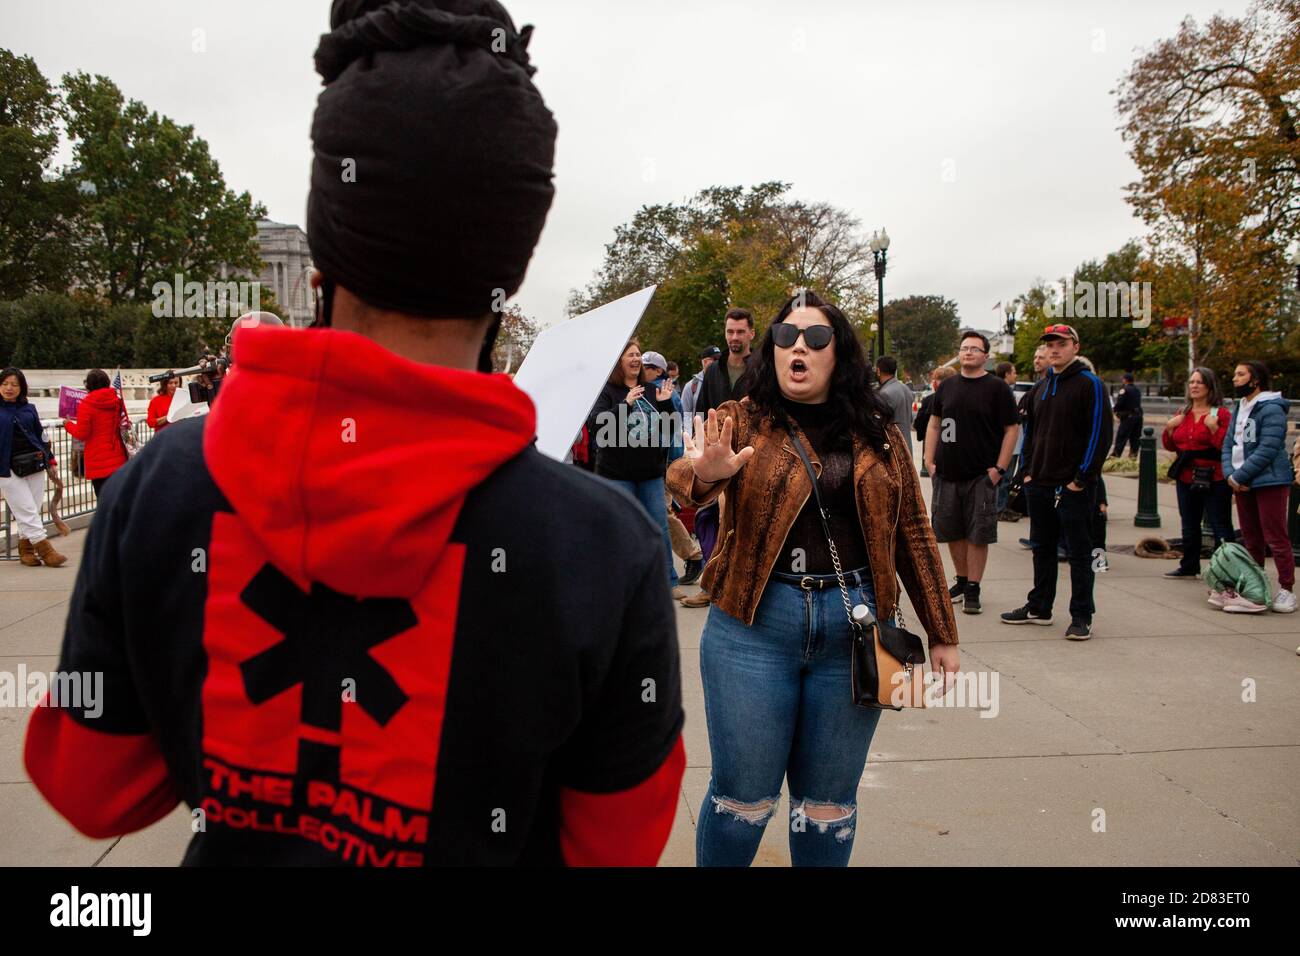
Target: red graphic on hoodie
{"type": "Point", "coordinates": [333, 588]}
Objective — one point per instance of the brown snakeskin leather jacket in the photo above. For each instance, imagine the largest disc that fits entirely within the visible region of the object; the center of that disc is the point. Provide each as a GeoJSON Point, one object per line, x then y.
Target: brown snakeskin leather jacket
{"type": "Point", "coordinates": [766, 495]}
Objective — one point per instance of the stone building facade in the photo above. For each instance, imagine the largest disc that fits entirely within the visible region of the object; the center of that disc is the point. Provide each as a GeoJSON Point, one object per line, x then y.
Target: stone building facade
{"type": "Point", "coordinates": [287, 269]}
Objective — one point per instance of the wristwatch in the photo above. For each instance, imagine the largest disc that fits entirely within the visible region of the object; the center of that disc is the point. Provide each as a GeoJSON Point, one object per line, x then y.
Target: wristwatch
{"type": "Point", "coordinates": [1000, 471]}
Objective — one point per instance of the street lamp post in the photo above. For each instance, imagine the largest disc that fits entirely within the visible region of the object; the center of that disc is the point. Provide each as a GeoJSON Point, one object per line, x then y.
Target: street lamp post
{"type": "Point", "coordinates": [880, 255]}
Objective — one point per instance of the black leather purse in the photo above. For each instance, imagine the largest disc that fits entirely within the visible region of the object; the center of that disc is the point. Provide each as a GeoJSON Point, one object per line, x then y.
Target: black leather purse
{"type": "Point", "coordinates": [28, 463]}
{"type": "Point", "coordinates": [887, 670]}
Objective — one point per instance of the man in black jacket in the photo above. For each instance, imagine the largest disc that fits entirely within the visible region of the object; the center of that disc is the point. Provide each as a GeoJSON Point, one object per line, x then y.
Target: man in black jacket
{"type": "Point", "coordinates": [728, 381]}
{"type": "Point", "coordinates": [723, 381]}
{"type": "Point", "coordinates": [1067, 431]}
{"type": "Point", "coordinates": [1128, 413]}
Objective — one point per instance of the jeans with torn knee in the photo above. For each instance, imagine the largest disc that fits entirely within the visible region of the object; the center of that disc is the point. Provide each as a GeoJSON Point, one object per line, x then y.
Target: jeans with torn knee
{"type": "Point", "coordinates": [777, 702]}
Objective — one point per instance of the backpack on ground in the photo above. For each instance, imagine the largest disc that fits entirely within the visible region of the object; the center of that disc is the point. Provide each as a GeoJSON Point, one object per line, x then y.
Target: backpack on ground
{"type": "Point", "coordinates": [1232, 567]}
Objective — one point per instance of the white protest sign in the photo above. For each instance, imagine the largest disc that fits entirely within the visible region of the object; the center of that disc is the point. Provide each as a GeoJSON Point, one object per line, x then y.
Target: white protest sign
{"type": "Point", "coordinates": [570, 362]}
{"type": "Point", "coordinates": [182, 407]}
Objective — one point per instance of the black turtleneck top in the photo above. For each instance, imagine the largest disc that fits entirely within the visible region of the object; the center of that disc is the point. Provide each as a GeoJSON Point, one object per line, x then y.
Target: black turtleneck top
{"type": "Point", "coordinates": [838, 495]}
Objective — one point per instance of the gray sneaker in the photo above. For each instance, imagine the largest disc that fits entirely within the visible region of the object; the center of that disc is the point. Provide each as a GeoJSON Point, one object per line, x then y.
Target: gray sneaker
{"type": "Point", "coordinates": [1079, 630]}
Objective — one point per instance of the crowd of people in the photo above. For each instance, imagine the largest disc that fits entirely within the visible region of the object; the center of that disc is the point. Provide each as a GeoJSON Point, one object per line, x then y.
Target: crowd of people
{"type": "Point", "coordinates": [100, 444]}
{"type": "Point", "coordinates": [985, 447]}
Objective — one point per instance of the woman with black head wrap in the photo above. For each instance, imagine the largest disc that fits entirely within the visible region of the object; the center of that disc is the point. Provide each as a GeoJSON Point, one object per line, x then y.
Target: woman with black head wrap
{"type": "Point", "coordinates": [432, 175]}
{"type": "Point", "coordinates": [395, 540]}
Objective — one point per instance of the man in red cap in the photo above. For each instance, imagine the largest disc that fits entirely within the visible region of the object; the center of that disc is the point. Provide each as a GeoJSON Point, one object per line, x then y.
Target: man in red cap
{"type": "Point", "coordinates": [1067, 434]}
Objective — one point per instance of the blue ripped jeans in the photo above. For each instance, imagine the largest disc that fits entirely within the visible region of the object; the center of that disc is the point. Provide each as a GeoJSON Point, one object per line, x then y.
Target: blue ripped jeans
{"type": "Point", "coordinates": [778, 704]}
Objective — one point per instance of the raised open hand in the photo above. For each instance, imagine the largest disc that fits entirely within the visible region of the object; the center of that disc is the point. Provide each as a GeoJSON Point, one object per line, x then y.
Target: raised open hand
{"type": "Point", "coordinates": [710, 451]}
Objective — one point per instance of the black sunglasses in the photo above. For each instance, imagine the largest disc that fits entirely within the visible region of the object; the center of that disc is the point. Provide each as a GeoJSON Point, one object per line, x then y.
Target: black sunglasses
{"type": "Point", "coordinates": [816, 337]}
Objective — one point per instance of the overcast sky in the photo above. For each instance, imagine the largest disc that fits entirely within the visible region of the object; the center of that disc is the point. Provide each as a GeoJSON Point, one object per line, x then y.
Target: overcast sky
{"type": "Point", "coordinates": [982, 135]}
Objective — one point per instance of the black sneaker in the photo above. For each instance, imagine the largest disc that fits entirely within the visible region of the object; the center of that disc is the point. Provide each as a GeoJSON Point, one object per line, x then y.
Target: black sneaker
{"type": "Point", "coordinates": [1181, 573]}
{"type": "Point", "coordinates": [1079, 630]}
{"type": "Point", "coordinates": [691, 574]}
{"type": "Point", "coordinates": [972, 605]}
{"type": "Point", "coordinates": [957, 592]}
{"type": "Point", "coordinates": [1022, 615]}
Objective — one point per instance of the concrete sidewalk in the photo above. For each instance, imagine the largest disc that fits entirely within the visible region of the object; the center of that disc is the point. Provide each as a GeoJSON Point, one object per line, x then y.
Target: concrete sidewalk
{"type": "Point", "coordinates": [1143, 727]}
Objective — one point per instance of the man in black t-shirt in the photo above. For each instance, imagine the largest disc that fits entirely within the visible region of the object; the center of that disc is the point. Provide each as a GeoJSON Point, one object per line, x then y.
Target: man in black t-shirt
{"type": "Point", "coordinates": [968, 445]}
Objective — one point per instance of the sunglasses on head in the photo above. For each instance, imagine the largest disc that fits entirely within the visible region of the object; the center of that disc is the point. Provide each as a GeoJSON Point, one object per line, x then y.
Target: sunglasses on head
{"type": "Point", "coordinates": [815, 336]}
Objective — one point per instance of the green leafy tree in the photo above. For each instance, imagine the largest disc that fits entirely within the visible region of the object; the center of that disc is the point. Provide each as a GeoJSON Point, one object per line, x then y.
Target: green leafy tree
{"type": "Point", "coordinates": [1033, 319]}
{"type": "Point", "coordinates": [515, 338]}
{"type": "Point", "coordinates": [922, 329]}
{"type": "Point", "coordinates": [168, 341]}
{"type": "Point", "coordinates": [54, 330]}
{"type": "Point", "coordinates": [1110, 341]}
{"type": "Point", "coordinates": [730, 246]}
{"type": "Point", "coordinates": [112, 332]}
{"type": "Point", "coordinates": [154, 202]}
{"type": "Point", "coordinates": [36, 207]}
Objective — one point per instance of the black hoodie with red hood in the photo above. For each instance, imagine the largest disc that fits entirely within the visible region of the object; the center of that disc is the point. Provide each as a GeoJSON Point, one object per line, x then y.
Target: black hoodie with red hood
{"type": "Point", "coordinates": [349, 616]}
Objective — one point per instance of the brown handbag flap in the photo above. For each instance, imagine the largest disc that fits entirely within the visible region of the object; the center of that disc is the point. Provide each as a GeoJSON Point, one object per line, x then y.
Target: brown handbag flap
{"type": "Point", "coordinates": [897, 685]}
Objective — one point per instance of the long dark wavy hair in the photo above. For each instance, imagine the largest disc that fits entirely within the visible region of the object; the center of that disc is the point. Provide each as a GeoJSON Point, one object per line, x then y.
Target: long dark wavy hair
{"type": "Point", "coordinates": [857, 409]}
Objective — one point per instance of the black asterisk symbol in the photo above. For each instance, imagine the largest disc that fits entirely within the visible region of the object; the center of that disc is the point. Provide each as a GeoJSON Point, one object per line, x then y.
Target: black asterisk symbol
{"type": "Point", "coordinates": [327, 639]}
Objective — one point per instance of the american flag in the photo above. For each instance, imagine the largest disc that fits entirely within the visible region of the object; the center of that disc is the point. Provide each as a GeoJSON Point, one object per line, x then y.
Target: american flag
{"type": "Point", "coordinates": [125, 420]}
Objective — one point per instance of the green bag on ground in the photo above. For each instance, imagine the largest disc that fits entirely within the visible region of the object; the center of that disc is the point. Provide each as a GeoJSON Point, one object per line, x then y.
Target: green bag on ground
{"type": "Point", "coordinates": [1231, 566]}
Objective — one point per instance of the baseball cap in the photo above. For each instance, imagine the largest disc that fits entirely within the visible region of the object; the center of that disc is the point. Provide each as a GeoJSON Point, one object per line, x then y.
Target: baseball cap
{"type": "Point", "coordinates": [711, 352]}
{"type": "Point", "coordinates": [1058, 332]}
{"type": "Point", "coordinates": [655, 359]}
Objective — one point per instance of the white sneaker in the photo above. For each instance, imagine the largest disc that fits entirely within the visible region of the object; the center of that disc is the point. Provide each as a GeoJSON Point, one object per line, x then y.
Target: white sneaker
{"type": "Point", "coordinates": [1217, 598]}
{"type": "Point", "coordinates": [1284, 602]}
{"type": "Point", "coordinates": [1240, 605]}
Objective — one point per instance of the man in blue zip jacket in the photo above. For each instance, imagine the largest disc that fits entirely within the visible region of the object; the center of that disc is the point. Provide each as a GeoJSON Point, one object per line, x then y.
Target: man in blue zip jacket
{"type": "Point", "coordinates": [1067, 433]}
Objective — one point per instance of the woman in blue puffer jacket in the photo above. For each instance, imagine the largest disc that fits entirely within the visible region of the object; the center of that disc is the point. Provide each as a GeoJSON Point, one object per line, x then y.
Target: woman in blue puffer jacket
{"type": "Point", "coordinates": [24, 458]}
{"type": "Point", "coordinates": [1258, 470]}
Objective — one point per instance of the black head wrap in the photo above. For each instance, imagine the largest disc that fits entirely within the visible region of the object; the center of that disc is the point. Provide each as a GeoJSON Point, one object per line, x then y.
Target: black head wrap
{"type": "Point", "coordinates": [452, 151]}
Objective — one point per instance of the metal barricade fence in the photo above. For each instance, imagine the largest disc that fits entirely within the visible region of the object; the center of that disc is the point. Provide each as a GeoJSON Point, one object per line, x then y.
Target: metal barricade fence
{"type": "Point", "coordinates": [78, 495]}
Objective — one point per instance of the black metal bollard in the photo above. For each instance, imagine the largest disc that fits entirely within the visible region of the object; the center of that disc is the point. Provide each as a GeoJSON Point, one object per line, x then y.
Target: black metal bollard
{"type": "Point", "coordinates": [1148, 513]}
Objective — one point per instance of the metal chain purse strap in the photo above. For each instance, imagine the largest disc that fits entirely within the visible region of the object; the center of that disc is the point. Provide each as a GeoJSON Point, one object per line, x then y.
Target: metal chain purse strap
{"type": "Point", "coordinates": [886, 671]}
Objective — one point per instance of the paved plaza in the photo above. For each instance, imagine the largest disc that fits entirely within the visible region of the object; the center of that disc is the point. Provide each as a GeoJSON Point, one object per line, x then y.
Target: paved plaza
{"type": "Point", "coordinates": [1133, 748]}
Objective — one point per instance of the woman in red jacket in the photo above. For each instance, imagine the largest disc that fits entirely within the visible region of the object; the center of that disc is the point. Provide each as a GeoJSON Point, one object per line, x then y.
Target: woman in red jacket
{"type": "Point", "coordinates": [160, 403]}
{"type": "Point", "coordinates": [98, 424]}
{"type": "Point", "coordinates": [1196, 435]}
